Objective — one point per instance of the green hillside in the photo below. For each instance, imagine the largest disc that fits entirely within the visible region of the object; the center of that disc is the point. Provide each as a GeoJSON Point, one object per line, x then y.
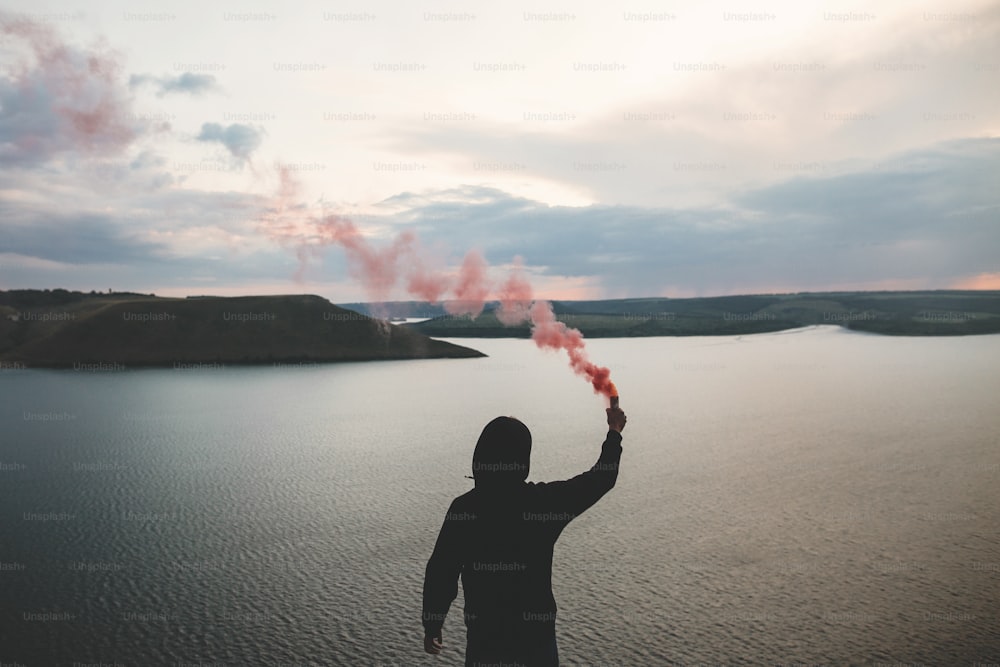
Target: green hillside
{"type": "Point", "coordinates": [67, 329]}
{"type": "Point", "coordinates": [931, 313]}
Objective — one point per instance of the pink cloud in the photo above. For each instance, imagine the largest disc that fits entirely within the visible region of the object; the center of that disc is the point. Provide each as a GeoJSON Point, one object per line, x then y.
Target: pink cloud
{"type": "Point", "coordinates": [60, 98]}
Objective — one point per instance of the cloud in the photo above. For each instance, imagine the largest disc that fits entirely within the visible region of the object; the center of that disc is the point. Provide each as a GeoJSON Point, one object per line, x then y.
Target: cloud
{"type": "Point", "coordinates": [798, 103]}
{"type": "Point", "coordinates": [94, 239]}
{"type": "Point", "coordinates": [119, 229]}
{"type": "Point", "coordinates": [804, 164]}
{"type": "Point", "coordinates": [188, 82]}
{"type": "Point", "coordinates": [928, 221]}
{"type": "Point", "coordinates": [60, 99]}
{"type": "Point", "coordinates": [860, 230]}
{"type": "Point", "coordinates": [239, 139]}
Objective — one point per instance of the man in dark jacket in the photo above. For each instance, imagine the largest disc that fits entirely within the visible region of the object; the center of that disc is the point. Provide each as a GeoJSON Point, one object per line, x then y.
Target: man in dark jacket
{"type": "Point", "coordinates": [499, 538]}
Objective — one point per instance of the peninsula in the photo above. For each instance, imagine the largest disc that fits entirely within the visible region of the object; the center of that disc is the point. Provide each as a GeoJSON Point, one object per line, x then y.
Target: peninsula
{"type": "Point", "coordinates": [64, 329]}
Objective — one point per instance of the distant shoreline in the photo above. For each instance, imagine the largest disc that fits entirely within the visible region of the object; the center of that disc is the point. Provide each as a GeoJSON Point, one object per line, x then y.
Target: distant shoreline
{"type": "Point", "coordinates": [693, 334]}
{"type": "Point", "coordinates": [928, 313]}
{"type": "Point", "coordinates": [56, 329]}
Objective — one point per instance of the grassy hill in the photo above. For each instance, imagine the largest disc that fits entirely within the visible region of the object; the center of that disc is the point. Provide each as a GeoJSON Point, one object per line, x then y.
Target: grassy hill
{"type": "Point", "coordinates": [59, 328]}
{"type": "Point", "coordinates": [931, 313]}
{"type": "Point", "coordinates": [66, 329]}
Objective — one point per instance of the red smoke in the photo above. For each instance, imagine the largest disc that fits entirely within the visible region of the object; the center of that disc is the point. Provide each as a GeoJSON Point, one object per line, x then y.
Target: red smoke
{"type": "Point", "coordinates": [380, 269]}
{"type": "Point", "coordinates": [515, 297]}
{"type": "Point", "coordinates": [67, 99]}
{"type": "Point", "coordinates": [425, 283]}
{"type": "Point", "coordinates": [472, 287]}
{"type": "Point", "coordinates": [548, 332]}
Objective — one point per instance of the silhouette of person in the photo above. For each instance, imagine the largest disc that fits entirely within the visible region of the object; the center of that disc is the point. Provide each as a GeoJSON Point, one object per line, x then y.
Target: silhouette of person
{"type": "Point", "coordinates": [499, 538]}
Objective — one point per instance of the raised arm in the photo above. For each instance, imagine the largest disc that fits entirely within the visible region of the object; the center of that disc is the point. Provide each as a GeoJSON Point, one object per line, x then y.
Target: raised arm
{"type": "Point", "coordinates": [574, 496]}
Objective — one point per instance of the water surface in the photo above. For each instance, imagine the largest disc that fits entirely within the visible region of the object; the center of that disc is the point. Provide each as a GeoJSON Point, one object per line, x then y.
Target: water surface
{"type": "Point", "coordinates": [816, 496]}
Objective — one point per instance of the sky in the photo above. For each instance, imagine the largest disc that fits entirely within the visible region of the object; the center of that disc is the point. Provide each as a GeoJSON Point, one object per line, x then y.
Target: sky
{"type": "Point", "coordinates": [643, 149]}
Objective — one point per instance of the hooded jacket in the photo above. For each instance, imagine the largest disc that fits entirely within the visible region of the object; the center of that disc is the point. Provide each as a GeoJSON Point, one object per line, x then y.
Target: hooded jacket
{"type": "Point", "coordinates": [499, 538]}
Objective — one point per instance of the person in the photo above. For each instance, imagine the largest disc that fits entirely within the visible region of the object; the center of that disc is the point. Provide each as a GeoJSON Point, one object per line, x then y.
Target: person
{"type": "Point", "coordinates": [499, 538]}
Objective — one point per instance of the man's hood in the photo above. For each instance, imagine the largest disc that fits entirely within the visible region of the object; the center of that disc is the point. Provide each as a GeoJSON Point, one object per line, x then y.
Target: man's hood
{"type": "Point", "coordinates": [503, 454]}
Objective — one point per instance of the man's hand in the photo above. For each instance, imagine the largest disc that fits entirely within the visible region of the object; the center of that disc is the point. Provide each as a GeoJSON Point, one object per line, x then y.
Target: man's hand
{"type": "Point", "coordinates": [433, 645]}
{"type": "Point", "coordinates": [616, 419]}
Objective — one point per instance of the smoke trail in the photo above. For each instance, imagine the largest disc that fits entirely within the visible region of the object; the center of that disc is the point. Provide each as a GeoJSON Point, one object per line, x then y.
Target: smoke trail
{"type": "Point", "coordinates": [515, 297]}
{"type": "Point", "coordinates": [424, 283]}
{"type": "Point", "coordinates": [472, 288]}
{"type": "Point", "coordinates": [548, 332]}
{"type": "Point", "coordinates": [67, 99]}
{"type": "Point", "coordinates": [379, 270]}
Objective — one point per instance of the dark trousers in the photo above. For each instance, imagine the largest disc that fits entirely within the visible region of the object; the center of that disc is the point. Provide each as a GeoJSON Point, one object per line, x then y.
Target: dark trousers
{"type": "Point", "coordinates": [544, 655]}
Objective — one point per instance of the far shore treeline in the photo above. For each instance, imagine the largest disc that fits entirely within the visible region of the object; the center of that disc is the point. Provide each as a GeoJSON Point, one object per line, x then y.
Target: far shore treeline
{"type": "Point", "coordinates": [61, 328]}
{"type": "Point", "coordinates": [926, 313]}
